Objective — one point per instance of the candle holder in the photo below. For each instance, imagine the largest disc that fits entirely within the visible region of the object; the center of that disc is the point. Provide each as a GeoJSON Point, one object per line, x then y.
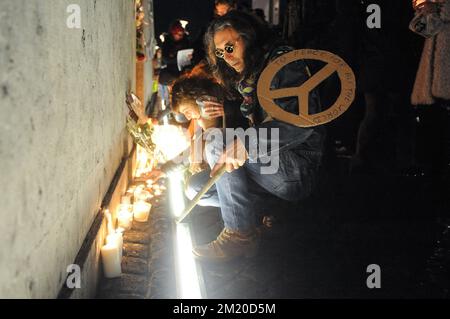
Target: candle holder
{"type": "Point", "coordinates": [142, 196]}
{"type": "Point", "coordinates": [125, 218]}
{"type": "Point", "coordinates": [141, 211]}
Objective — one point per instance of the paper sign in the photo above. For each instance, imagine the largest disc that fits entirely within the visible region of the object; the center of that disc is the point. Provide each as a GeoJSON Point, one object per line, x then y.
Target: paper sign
{"type": "Point", "coordinates": [184, 58]}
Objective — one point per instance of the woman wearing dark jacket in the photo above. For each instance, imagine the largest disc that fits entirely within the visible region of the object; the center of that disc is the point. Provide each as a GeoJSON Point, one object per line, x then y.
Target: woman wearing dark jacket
{"type": "Point", "coordinates": [238, 49]}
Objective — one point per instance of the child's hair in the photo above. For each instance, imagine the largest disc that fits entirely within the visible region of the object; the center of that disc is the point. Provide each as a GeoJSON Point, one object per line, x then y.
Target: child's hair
{"type": "Point", "coordinates": [190, 86]}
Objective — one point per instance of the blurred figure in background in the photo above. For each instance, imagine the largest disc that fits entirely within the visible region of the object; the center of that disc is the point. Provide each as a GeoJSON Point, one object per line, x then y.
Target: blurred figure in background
{"type": "Point", "coordinates": [260, 14]}
{"type": "Point", "coordinates": [171, 44]}
{"type": "Point", "coordinates": [432, 86]}
{"type": "Point", "coordinates": [431, 95]}
{"type": "Point", "coordinates": [387, 60]}
{"type": "Point", "coordinates": [222, 7]}
{"type": "Point", "coordinates": [174, 41]}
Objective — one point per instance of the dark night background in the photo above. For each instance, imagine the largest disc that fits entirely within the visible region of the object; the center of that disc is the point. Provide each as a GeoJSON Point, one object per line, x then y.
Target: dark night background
{"type": "Point", "coordinates": [197, 12]}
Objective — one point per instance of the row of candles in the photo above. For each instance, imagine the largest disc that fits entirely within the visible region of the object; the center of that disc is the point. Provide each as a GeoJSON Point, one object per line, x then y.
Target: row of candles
{"type": "Point", "coordinates": [138, 211]}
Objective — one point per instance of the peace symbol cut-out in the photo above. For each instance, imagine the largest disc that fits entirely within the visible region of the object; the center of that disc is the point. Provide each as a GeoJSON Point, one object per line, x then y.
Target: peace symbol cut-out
{"type": "Point", "coordinates": [334, 63]}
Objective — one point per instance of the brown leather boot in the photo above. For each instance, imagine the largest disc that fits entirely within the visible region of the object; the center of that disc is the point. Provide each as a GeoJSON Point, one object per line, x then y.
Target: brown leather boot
{"type": "Point", "coordinates": [229, 245]}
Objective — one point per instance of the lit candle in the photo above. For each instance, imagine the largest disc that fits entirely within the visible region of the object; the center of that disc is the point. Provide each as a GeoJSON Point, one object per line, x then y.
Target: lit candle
{"type": "Point", "coordinates": [138, 189]}
{"type": "Point", "coordinates": [137, 192]}
{"type": "Point", "coordinates": [142, 196]}
{"type": "Point", "coordinates": [125, 218]}
{"type": "Point", "coordinates": [127, 207]}
{"type": "Point", "coordinates": [111, 260]}
{"type": "Point", "coordinates": [126, 199]}
{"type": "Point", "coordinates": [141, 210]}
{"type": "Point", "coordinates": [131, 189]}
{"type": "Point", "coordinates": [117, 239]}
{"type": "Point", "coordinates": [157, 192]}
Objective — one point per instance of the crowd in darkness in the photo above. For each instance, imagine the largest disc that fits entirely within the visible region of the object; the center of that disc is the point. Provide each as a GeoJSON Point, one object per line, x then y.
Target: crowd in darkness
{"type": "Point", "coordinates": [400, 88]}
{"type": "Point", "coordinates": [383, 126]}
{"type": "Point", "coordinates": [402, 129]}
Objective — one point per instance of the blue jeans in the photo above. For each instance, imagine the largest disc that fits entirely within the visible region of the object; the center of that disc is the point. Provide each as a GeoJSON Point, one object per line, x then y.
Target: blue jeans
{"type": "Point", "coordinates": [245, 193]}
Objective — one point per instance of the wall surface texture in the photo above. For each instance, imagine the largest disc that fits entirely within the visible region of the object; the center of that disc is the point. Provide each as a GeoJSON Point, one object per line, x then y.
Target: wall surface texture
{"type": "Point", "coordinates": [62, 132]}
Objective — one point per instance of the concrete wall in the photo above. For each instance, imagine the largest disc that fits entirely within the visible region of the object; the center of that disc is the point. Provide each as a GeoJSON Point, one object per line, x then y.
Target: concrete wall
{"type": "Point", "coordinates": [62, 132]}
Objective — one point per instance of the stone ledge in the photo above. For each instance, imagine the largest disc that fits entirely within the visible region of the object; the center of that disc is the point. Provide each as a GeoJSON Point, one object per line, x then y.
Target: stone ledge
{"type": "Point", "coordinates": [125, 285]}
{"type": "Point", "coordinates": [135, 250]}
{"type": "Point", "coordinates": [137, 237]}
{"type": "Point", "coordinates": [133, 265]}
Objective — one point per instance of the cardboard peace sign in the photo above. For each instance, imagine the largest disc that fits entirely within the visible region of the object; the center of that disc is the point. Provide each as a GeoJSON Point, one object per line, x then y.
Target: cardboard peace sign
{"type": "Point", "coordinates": [266, 96]}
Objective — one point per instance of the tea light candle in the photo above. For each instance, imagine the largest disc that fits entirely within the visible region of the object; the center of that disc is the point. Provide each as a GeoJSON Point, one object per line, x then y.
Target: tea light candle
{"type": "Point", "coordinates": [125, 218]}
{"type": "Point", "coordinates": [116, 239]}
{"type": "Point", "coordinates": [111, 260]}
{"type": "Point", "coordinates": [138, 189]}
{"type": "Point", "coordinates": [141, 210]}
{"type": "Point", "coordinates": [131, 190]}
{"type": "Point", "coordinates": [142, 196]}
{"type": "Point", "coordinates": [126, 199]}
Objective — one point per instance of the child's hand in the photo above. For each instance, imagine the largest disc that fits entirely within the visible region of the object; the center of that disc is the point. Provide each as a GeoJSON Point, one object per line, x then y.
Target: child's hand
{"type": "Point", "coordinates": [213, 110]}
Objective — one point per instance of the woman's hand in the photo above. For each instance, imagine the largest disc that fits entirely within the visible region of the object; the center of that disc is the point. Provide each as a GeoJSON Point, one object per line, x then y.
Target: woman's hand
{"type": "Point", "coordinates": [212, 110]}
{"type": "Point", "coordinates": [233, 157]}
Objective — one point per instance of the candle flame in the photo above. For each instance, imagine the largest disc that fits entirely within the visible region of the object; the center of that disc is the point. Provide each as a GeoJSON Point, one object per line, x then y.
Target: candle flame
{"type": "Point", "coordinates": [170, 140]}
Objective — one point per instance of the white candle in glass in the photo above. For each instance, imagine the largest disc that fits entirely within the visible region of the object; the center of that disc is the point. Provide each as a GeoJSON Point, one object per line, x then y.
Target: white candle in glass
{"type": "Point", "coordinates": [111, 260]}
{"type": "Point", "coordinates": [141, 210]}
{"type": "Point", "coordinates": [142, 196]}
{"type": "Point", "coordinates": [125, 218]}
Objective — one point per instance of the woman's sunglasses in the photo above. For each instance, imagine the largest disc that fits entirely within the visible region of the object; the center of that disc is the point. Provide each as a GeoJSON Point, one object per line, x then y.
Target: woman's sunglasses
{"type": "Point", "coordinates": [229, 48]}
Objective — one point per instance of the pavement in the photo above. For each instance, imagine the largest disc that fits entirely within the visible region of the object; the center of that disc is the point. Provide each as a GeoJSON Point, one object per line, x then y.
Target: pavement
{"type": "Point", "coordinates": [319, 248]}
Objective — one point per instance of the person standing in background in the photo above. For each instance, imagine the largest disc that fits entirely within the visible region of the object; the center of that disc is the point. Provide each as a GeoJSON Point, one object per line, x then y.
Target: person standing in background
{"type": "Point", "coordinates": [431, 91]}
{"type": "Point", "coordinates": [431, 96]}
{"type": "Point", "coordinates": [222, 7]}
{"type": "Point", "coordinates": [174, 41]}
{"type": "Point", "coordinates": [386, 62]}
